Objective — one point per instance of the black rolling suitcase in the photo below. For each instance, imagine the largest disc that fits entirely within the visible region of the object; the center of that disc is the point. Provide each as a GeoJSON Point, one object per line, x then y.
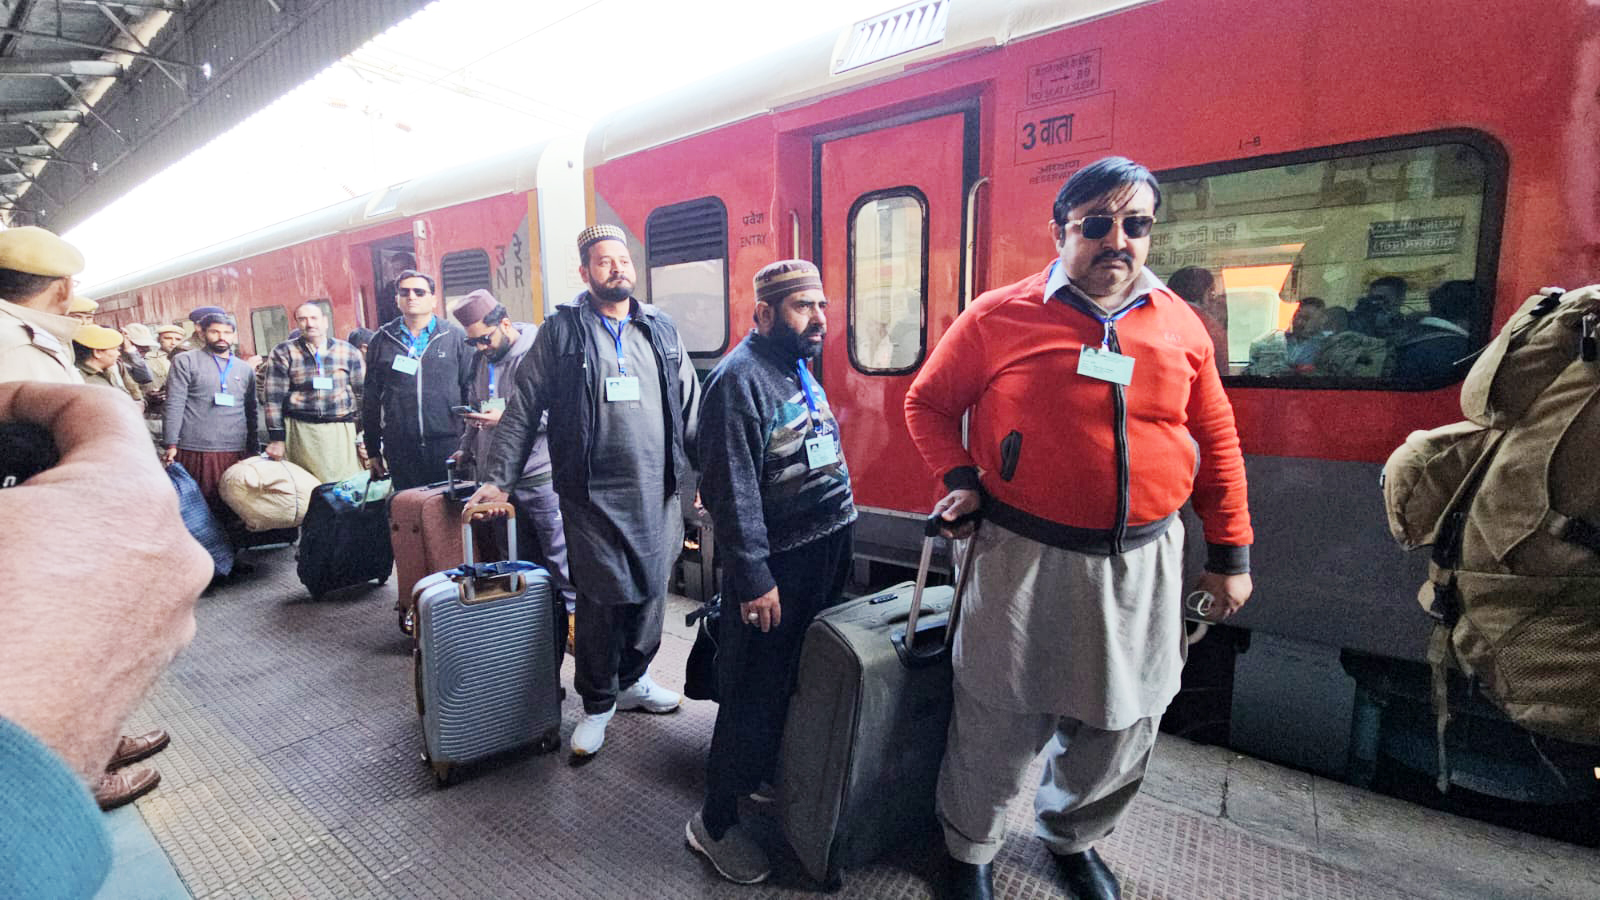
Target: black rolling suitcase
{"type": "Point", "coordinates": [866, 728]}
{"type": "Point", "coordinates": [343, 541]}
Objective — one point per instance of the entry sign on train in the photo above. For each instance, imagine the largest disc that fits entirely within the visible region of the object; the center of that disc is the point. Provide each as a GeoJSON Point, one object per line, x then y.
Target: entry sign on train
{"type": "Point", "coordinates": [1106, 365]}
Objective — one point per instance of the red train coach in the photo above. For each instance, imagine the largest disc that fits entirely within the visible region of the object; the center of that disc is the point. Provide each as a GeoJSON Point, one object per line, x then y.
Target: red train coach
{"type": "Point", "coordinates": [1368, 153]}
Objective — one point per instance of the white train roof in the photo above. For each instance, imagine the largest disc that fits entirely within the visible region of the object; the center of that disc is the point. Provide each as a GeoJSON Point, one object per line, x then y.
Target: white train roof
{"type": "Point", "coordinates": [821, 66]}
{"type": "Point", "coordinates": [503, 173]}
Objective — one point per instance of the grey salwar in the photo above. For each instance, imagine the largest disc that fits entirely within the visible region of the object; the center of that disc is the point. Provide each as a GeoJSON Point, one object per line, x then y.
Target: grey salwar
{"type": "Point", "coordinates": [1090, 777]}
{"type": "Point", "coordinates": [1072, 653]}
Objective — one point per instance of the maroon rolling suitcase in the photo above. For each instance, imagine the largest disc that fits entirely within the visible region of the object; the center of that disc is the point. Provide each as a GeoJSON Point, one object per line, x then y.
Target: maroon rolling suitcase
{"type": "Point", "coordinates": [425, 532]}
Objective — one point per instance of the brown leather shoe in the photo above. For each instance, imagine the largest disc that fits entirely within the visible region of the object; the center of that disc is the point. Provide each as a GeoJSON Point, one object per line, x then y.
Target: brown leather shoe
{"type": "Point", "coordinates": [132, 749]}
{"type": "Point", "coordinates": [116, 789]}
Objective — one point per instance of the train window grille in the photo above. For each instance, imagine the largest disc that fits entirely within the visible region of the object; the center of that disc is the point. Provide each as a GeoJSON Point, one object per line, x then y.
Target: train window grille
{"type": "Point", "coordinates": [269, 326]}
{"type": "Point", "coordinates": [461, 273]}
{"type": "Point", "coordinates": [1367, 266]}
{"type": "Point", "coordinates": [888, 280]}
{"type": "Point", "coordinates": [687, 250]}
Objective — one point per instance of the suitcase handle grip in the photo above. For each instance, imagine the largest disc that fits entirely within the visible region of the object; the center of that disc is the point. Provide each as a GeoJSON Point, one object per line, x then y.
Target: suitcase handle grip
{"type": "Point", "coordinates": [908, 638]}
{"type": "Point", "coordinates": [468, 512]}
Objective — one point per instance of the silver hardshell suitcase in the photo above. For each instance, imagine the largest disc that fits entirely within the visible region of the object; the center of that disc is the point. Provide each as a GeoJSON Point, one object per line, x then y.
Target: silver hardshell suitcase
{"type": "Point", "coordinates": [866, 728]}
{"type": "Point", "coordinates": [485, 664]}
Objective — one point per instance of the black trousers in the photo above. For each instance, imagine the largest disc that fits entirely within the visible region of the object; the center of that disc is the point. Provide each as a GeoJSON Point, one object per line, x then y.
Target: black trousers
{"type": "Point", "coordinates": [756, 673]}
{"type": "Point", "coordinates": [613, 644]}
{"type": "Point", "coordinates": [414, 463]}
{"type": "Point", "coordinates": [540, 540]}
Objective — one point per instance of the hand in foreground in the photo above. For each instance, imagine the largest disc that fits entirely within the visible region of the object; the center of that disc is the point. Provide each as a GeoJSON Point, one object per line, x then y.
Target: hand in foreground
{"type": "Point", "coordinates": [87, 634]}
{"type": "Point", "coordinates": [484, 419]}
{"type": "Point", "coordinates": [170, 455]}
{"type": "Point", "coordinates": [377, 468]}
{"type": "Point", "coordinates": [766, 610]}
{"type": "Point", "coordinates": [955, 504]}
{"type": "Point", "coordinates": [275, 450]}
{"type": "Point", "coordinates": [1230, 592]}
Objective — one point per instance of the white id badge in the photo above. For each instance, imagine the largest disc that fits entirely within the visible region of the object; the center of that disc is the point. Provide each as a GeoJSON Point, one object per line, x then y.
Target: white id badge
{"type": "Point", "coordinates": [322, 382]}
{"type": "Point", "coordinates": [622, 389]}
{"type": "Point", "coordinates": [822, 451]}
{"type": "Point", "coordinates": [223, 398]}
{"type": "Point", "coordinates": [1105, 365]}
{"type": "Point", "coordinates": [493, 404]}
{"type": "Point", "coordinates": [406, 365]}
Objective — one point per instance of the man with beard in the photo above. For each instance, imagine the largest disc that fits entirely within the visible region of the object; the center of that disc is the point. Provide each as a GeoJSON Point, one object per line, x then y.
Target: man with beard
{"type": "Point", "coordinates": [501, 347]}
{"type": "Point", "coordinates": [210, 421]}
{"type": "Point", "coordinates": [619, 388]}
{"type": "Point", "coordinates": [774, 479]}
{"type": "Point", "coordinates": [1096, 412]}
{"type": "Point", "coordinates": [312, 392]}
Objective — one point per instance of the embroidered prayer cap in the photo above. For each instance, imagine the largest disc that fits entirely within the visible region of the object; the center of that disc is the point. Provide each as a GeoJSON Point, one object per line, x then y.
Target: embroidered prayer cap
{"type": "Point", "coordinates": [35, 251]}
{"type": "Point", "coordinates": [140, 335]}
{"type": "Point", "coordinates": [169, 329]}
{"type": "Point", "coordinates": [198, 314]}
{"type": "Point", "coordinates": [778, 280]}
{"type": "Point", "coordinates": [594, 234]}
{"type": "Point", "coordinates": [474, 307]}
{"type": "Point", "coordinates": [97, 337]}
{"type": "Point", "coordinates": [79, 304]}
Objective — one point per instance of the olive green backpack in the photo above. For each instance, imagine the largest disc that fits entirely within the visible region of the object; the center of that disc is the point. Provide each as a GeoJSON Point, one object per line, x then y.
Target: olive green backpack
{"type": "Point", "coordinates": [1510, 502]}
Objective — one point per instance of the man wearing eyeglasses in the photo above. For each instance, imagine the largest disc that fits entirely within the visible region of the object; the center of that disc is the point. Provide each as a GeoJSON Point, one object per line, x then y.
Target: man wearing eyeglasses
{"type": "Point", "coordinates": [500, 345]}
{"type": "Point", "coordinates": [418, 367]}
{"type": "Point", "coordinates": [1097, 411]}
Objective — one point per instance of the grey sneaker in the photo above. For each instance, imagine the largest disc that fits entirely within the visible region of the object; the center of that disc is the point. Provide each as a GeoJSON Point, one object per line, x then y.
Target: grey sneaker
{"type": "Point", "coordinates": [736, 857]}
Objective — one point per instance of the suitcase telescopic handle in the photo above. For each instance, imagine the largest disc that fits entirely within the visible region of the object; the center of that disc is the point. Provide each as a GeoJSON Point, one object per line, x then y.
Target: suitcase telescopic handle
{"type": "Point", "coordinates": [930, 532]}
{"type": "Point", "coordinates": [488, 510]}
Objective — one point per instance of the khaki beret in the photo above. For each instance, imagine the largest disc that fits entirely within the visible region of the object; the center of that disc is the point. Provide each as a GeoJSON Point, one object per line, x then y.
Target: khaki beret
{"type": "Point", "coordinates": [35, 251]}
{"type": "Point", "coordinates": [79, 304]}
{"type": "Point", "coordinates": [97, 337]}
{"type": "Point", "coordinates": [140, 334]}
{"type": "Point", "coordinates": [171, 329]}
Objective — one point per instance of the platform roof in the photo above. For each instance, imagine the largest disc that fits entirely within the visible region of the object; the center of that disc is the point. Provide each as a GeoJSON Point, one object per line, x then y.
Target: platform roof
{"type": "Point", "coordinates": [98, 95]}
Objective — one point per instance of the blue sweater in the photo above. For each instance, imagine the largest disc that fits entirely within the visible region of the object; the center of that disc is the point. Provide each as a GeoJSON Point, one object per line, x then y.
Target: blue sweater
{"type": "Point", "coordinates": [53, 840]}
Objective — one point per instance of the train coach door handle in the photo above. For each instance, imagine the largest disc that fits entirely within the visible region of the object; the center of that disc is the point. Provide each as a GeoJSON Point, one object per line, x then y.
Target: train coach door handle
{"type": "Point", "coordinates": [972, 241]}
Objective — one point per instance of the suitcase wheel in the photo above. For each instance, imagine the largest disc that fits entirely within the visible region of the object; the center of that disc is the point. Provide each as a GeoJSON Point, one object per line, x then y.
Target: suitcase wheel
{"type": "Point", "coordinates": [441, 775]}
{"type": "Point", "coordinates": [407, 621]}
{"type": "Point", "coordinates": [550, 742]}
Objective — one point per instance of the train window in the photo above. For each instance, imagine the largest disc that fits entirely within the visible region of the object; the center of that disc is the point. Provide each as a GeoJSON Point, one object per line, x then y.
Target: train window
{"type": "Point", "coordinates": [888, 280]}
{"type": "Point", "coordinates": [463, 272]}
{"type": "Point", "coordinates": [687, 245]}
{"type": "Point", "coordinates": [1365, 266]}
{"type": "Point", "coordinates": [270, 327]}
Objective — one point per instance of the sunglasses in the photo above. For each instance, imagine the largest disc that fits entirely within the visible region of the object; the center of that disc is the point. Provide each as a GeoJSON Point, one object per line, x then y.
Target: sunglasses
{"type": "Point", "coordinates": [414, 292]}
{"type": "Point", "coordinates": [483, 341]}
{"type": "Point", "coordinates": [1096, 227]}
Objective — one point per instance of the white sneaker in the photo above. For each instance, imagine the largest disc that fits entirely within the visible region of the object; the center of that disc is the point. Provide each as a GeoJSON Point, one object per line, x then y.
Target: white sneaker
{"type": "Point", "coordinates": [590, 734]}
{"type": "Point", "coordinates": [647, 695]}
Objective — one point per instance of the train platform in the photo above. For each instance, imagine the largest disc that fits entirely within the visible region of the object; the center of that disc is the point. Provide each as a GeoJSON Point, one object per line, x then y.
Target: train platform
{"type": "Point", "coordinates": [294, 771]}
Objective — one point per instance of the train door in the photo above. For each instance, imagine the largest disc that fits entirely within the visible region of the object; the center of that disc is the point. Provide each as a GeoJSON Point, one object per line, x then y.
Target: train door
{"type": "Point", "coordinates": [390, 257]}
{"type": "Point", "coordinates": [891, 237]}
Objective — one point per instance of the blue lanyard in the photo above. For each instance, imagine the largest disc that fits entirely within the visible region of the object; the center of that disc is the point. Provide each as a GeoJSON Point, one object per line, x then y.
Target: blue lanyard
{"type": "Point", "coordinates": [420, 342]}
{"type": "Point", "coordinates": [622, 361]}
{"type": "Point", "coordinates": [223, 370]}
{"type": "Point", "coordinates": [316, 354]}
{"type": "Point", "coordinates": [811, 401]}
{"type": "Point", "coordinates": [491, 381]}
{"type": "Point", "coordinates": [1107, 323]}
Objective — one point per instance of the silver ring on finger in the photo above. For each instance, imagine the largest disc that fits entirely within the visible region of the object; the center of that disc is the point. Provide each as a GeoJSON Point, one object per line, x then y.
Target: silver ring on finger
{"type": "Point", "coordinates": [753, 617]}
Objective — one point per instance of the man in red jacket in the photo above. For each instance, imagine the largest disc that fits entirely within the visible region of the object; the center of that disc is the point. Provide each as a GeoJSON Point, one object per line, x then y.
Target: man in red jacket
{"type": "Point", "coordinates": [1097, 411]}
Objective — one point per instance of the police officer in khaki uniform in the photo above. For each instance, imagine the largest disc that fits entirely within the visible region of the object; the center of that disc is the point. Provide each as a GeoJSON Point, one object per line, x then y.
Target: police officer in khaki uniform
{"type": "Point", "coordinates": [97, 350]}
{"type": "Point", "coordinates": [36, 270]}
{"type": "Point", "coordinates": [82, 309]}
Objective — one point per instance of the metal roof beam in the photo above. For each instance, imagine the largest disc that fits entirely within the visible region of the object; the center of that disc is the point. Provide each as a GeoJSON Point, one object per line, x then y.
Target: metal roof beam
{"type": "Point", "coordinates": [158, 5]}
{"type": "Point", "coordinates": [93, 68]}
{"type": "Point", "coordinates": [122, 27]}
{"type": "Point", "coordinates": [90, 45]}
{"type": "Point", "coordinates": [39, 116]}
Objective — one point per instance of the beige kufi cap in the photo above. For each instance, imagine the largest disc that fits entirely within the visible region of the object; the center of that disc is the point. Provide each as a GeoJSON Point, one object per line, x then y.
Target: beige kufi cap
{"type": "Point", "coordinates": [33, 250]}
{"type": "Point", "coordinates": [170, 329]}
{"type": "Point", "coordinates": [140, 334]}
{"type": "Point", "coordinates": [81, 305]}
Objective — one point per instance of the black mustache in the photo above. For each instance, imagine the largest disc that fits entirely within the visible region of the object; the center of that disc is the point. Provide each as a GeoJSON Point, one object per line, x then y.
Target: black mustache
{"type": "Point", "coordinates": [1115, 254]}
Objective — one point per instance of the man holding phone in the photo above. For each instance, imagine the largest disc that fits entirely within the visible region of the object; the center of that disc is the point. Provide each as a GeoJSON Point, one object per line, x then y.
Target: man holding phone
{"type": "Point", "coordinates": [500, 346]}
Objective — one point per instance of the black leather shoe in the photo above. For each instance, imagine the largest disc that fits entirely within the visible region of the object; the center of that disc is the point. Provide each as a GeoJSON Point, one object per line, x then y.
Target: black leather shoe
{"type": "Point", "coordinates": [1087, 875]}
{"type": "Point", "coordinates": [968, 881]}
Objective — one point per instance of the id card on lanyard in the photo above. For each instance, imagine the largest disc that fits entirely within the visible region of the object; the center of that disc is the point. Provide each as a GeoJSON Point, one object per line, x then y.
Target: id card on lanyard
{"type": "Point", "coordinates": [1106, 362]}
{"type": "Point", "coordinates": [822, 448]}
{"type": "Point", "coordinates": [495, 403]}
{"type": "Point", "coordinates": [624, 387]}
{"type": "Point", "coordinates": [222, 397]}
{"type": "Point", "coordinates": [320, 381]}
{"type": "Point", "coordinates": [412, 361]}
